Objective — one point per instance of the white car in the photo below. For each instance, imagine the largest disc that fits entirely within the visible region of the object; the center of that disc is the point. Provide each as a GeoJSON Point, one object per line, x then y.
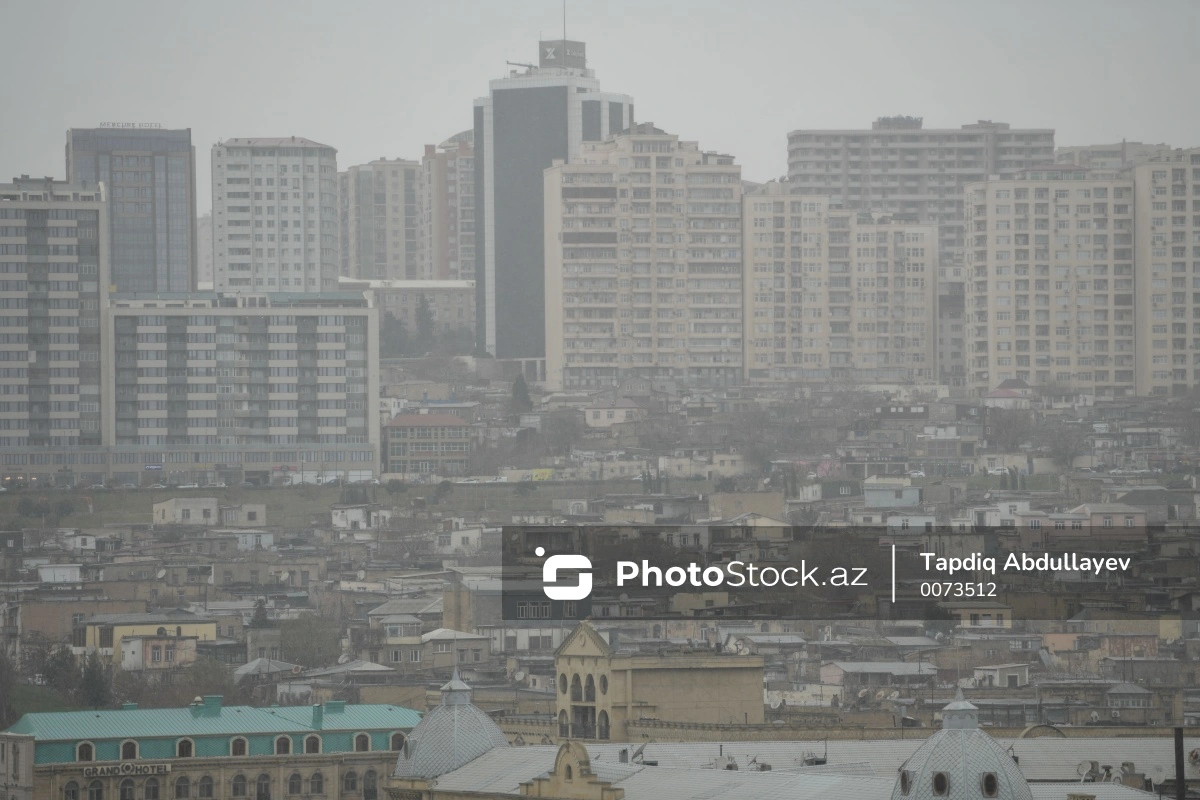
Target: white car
{"type": "Point", "coordinates": [188, 486]}
{"type": "Point", "coordinates": [996, 472]}
{"type": "Point", "coordinates": [217, 485]}
{"type": "Point", "coordinates": [916, 473]}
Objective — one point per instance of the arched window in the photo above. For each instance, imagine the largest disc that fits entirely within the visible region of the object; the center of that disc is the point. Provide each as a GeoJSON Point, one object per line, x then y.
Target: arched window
{"type": "Point", "coordinates": [179, 630]}
{"type": "Point", "coordinates": [85, 752]}
{"type": "Point", "coordinates": [239, 786]}
{"type": "Point", "coordinates": [562, 683]}
{"type": "Point", "coordinates": [564, 727]}
{"type": "Point", "coordinates": [205, 787]}
{"type": "Point", "coordinates": [602, 725]}
{"type": "Point", "coordinates": [350, 782]}
{"type": "Point", "coordinates": [129, 751]}
{"type": "Point", "coordinates": [71, 791]}
{"type": "Point", "coordinates": [370, 790]}
{"type": "Point", "coordinates": [184, 748]}
{"type": "Point", "coordinates": [362, 743]}
{"type": "Point", "coordinates": [161, 632]}
{"type": "Point", "coordinates": [576, 688]}
{"type": "Point", "coordinates": [283, 746]}
{"type": "Point", "coordinates": [570, 772]}
{"type": "Point", "coordinates": [238, 747]}
{"type": "Point", "coordinates": [150, 791]}
{"type": "Point", "coordinates": [95, 791]}
{"type": "Point", "coordinates": [397, 741]}
{"type": "Point", "coordinates": [295, 783]}
{"type": "Point", "coordinates": [262, 789]}
{"type": "Point", "coordinates": [183, 788]}
{"type": "Point", "coordinates": [589, 690]}
{"type": "Point", "coordinates": [316, 784]}
{"type": "Point", "coordinates": [126, 792]}
{"type": "Point", "coordinates": [603, 684]}
{"type": "Point", "coordinates": [312, 744]}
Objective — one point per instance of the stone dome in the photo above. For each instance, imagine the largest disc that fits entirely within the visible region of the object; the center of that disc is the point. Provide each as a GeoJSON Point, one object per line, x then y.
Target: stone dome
{"type": "Point", "coordinates": [961, 762]}
{"type": "Point", "coordinates": [454, 733]}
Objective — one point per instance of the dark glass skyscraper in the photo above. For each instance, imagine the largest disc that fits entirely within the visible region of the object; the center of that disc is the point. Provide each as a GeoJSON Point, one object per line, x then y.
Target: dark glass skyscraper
{"type": "Point", "coordinates": [527, 121]}
{"type": "Point", "coordinates": [150, 174]}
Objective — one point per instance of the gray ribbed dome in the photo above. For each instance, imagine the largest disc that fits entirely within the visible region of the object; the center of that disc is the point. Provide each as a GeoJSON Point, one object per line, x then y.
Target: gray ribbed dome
{"type": "Point", "coordinates": [454, 733]}
{"type": "Point", "coordinates": [971, 764]}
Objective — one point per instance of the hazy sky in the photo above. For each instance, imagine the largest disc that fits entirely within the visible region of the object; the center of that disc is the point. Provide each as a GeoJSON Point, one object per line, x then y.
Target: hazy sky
{"type": "Point", "coordinates": [384, 78]}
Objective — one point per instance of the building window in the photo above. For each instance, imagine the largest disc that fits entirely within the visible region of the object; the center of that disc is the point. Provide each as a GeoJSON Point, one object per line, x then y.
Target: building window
{"type": "Point", "coordinates": [85, 752]}
{"type": "Point", "coordinates": [262, 789]}
{"type": "Point", "coordinates": [151, 789]}
{"type": "Point", "coordinates": [129, 751]}
{"type": "Point", "coordinates": [312, 744]}
{"type": "Point", "coordinates": [183, 788]}
{"type": "Point", "coordinates": [126, 792]}
{"type": "Point", "coordinates": [370, 788]}
{"type": "Point", "coordinates": [316, 784]}
{"type": "Point", "coordinates": [397, 741]}
{"type": "Point", "coordinates": [205, 787]}
{"type": "Point", "coordinates": [989, 785]}
{"type": "Point", "coordinates": [283, 746]}
{"type": "Point", "coordinates": [905, 782]}
{"type": "Point", "coordinates": [71, 791]}
{"type": "Point", "coordinates": [362, 743]}
{"type": "Point", "coordinates": [238, 789]}
{"type": "Point", "coordinates": [350, 782]}
{"type": "Point", "coordinates": [95, 791]}
{"type": "Point", "coordinates": [238, 747]}
{"type": "Point", "coordinates": [184, 749]}
{"type": "Point", "coordinates": [295, 783]}
{"type": "Point", "coordinates": [941, 784]}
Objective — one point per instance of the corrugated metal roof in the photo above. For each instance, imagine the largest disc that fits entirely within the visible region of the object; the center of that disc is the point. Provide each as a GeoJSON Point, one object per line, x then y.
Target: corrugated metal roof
{"type": "Point", "coordinates": [209, 720]}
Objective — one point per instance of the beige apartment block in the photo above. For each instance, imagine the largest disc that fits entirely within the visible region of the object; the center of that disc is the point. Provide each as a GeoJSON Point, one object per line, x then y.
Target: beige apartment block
{"type": "Point", "coordinates": [1167, 207]}
{"type": "Point", "coordinates": [1050, 294]}
{"type": "Point", "coordinates": [447, 209]}
{"type": "Point", "coordinates": [643, 260]}
{"type": "Point", "coordinates": [833, 293]}
{"type": "Point", "coordinates": [1107, 160]}
{"type": "Point", "coordinates": [379, 221]}
{"type": "Point", "coordinates": [905, 168]}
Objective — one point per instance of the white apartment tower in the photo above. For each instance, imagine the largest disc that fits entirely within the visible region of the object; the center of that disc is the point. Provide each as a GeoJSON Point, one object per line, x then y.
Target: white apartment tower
{"type": "Point", "coordinates": [379, 220]}
{"type": "Point", "coordinates": [836, 294]}
{"type": "Point", "coordinates": [1050, 297]}
{"type": "Point", "coordinates": [643, 263]}
{"type": "Point", "coordinates": [1167, 208]}
{"type": "Point", "coordinates": [275, 215]}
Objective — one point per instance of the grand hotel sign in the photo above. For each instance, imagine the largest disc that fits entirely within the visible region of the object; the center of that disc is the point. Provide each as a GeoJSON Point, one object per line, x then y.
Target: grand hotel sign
{"type": "Point", "coordinates": [126, 769]}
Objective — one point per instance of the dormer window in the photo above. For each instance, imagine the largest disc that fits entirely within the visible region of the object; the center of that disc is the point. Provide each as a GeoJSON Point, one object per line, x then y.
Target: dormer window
{"type": "Point", "coordinates": [989, 785]}
{"type": "Point", "coordinates": [905, 782]}
{"type": "Point", "coordinates": [941, 784]}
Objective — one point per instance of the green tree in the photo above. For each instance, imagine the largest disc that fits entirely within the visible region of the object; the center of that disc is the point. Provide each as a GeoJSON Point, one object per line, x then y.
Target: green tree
{"type": "Point", "coordinates": [311, 640]}
{"type": "Point", "coordinates": [442, 490]}
{"type": "Point", "coordinates": [524, 488]}
{"type": "Point", "coordinates": [425, 330]}
{"type": "Point", "coordinates": [64, 508]}
{"type": "Point", "coordinates": [393, 336]}
{"type": "Point", "coordinates": [396, 486]}
{"type": "Point", "coordinates": [1004, 480]}
{"type": "Point", "coordinates": [260, 620]}
{"type": "Point", "coordinates": [95, 683]}
{"type": "Point", "coordinates": [61, 671]}
{"type": "Point", "coordinates": [1011, 428]}
{"type": "Point", "coordinates": [521, 403]}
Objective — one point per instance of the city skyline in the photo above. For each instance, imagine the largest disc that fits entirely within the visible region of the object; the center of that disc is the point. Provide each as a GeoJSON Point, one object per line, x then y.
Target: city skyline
{"type": "Point", "coordinates": [754, 73]}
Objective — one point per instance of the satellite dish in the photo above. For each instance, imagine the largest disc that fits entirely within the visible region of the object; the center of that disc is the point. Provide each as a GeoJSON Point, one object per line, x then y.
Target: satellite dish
{"type": "Point", "coordinates": [1095, 716]}
{"type": "Point", "coordinates": [776, 703]}
{"type": "Point", "coordinates": [1084, 768]}
{"type": "Point", "coordinates": [283, 576]}
{"type": "Point", "coordinates": [880, 694]}
{"type": "Point", "coordinates": [863, 693]}
{"type": "Point", "coordinates": [894, 695]}
{"type": "Point", "coordinates": [343, 659]}
{"type": "Point", "coordinates": [297, 669]}
{"type": "Point", "coordinates": [519, 675]}
{"type": "Point", "coordinates": [162, 573]}
{"type": "Point", "coordinates": [362, 574]}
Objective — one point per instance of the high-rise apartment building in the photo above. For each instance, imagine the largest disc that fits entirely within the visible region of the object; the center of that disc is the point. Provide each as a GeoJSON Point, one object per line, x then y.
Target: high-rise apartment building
{"type": "Point", "coordinates": [834, 293]}
{"type": "Point", "coordinates": [204, 253]}
{"type": "Point", "coordinates": [528, 120]}
{"type": "Point", "coordinates": [1167, 253]}
{"type": "Point", "coordinates": [275, 215]}
{"type": "Point", "coordinates": [448, 209]}
{"type": "Point", "coordinates": [901, 167]}
{"type": "Point", "coordinates": [1107, 160]}
{"type": "Point", "coordinates": [244, 370]}
{"type": "Point", "coordinates": [54, 259]}
{"type": "Point", "coordinates": [379, 218]}
{"type": "Point", "coordinates": [150, 175]}
{"type": "Point", "coordinates": [1052, 283]}
{"type": "Point", "coordinates": [643, 253]}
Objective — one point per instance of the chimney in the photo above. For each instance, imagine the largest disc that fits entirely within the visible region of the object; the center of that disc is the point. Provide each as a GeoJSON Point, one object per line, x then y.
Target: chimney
{"type": "Point", "coordinates": [318, 715]}
{"type": "Point", "coordinates": [213, 701]}
{"type": "Point", "coordinates": [129, 706]}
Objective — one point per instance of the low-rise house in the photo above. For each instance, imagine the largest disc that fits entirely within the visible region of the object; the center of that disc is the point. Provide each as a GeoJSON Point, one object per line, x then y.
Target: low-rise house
{"type": "Point", "coordinates": [208, 511]}
{"type": "Point", "coordinates": [1009, 676]}
{"type": "Point", "coordinates": [153, 655]}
